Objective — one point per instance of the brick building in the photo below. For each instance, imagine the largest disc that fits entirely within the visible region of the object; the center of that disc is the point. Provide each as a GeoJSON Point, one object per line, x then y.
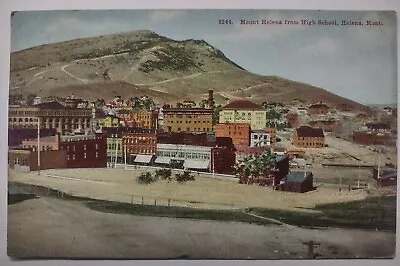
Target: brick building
{"type": "Point", "coordinates": [50, 115]}
{"type": "Point", "coordinates": [238, 132]}
{"type": "Point", "coordinates": [187, 120]}
{"type": "Point", "coordinates": [373, 138]}
{"type": "Point", "coordinates": [199, 139]}
{"type": "Point", "coordinates": [318, 109]}
{"type": "Point", "coordinates": [49, 143]}
{"type": "Point", "coordinates": [243, 111]}
{"type": "Point", "coordinates": [138, 143]}
{"type": "Point", "coordinates": [85, 151]}
{"type": "Point", "coordinates": [308, 137]}
{"type": "Point", "coordinates": [26, 159]}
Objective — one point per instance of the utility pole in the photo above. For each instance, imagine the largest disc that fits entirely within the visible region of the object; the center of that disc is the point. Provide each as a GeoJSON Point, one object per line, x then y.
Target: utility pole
{"type": "Point", "coordinates": [125, 156]}
{"type": "Point", "coordinates": [38, 145]}
{"type": "Point", "coordinates": [116, 153]}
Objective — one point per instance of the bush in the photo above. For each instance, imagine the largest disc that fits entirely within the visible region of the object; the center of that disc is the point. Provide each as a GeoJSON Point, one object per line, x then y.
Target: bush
{"type": "Point", "coordinates": [164, 174]}
{"type": "Point", "coordinates": [184, 177]}
{"type": "Point", "coordinates": [146, 178]}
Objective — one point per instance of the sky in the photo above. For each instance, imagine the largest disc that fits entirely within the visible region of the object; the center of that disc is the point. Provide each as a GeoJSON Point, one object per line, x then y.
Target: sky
{"type": "Point", "coordinates": [356, 62]}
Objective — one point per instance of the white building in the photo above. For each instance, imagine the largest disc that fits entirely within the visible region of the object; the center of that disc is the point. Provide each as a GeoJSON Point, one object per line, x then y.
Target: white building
{"type": "Point", "coordinates": [259, 138]}
{"type": "Point", "coordinates": [191, 157]}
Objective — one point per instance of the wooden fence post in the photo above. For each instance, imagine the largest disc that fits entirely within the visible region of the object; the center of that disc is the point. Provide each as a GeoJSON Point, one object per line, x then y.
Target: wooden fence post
{"type": "Point", "coordinates": [169, 200]}
{"type": "Point", "coordinates": [142, 200]}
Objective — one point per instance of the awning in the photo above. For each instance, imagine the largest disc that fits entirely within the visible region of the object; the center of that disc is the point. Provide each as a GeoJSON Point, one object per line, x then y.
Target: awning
{"type": "Point", "coordinates": [196, 164]}
{"type": "Point", "coordinates": [142, 158]}
{"type": "Point", "coordinates": [163, 160]}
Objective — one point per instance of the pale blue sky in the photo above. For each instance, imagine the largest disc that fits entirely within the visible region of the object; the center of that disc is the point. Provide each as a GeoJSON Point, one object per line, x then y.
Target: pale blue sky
{"type": "Point", "coordinates": [356, 62]}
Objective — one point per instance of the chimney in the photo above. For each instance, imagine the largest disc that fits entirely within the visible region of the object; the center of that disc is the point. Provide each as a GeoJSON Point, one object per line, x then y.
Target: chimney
{"type": "Point", "coordinates": [211, 99]}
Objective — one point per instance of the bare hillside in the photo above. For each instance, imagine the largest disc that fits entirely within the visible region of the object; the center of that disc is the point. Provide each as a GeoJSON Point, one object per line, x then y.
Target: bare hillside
{"type": "Point", "coordinates": [147, 63]}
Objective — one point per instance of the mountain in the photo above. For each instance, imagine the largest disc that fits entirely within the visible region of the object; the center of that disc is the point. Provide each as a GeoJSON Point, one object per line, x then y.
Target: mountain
{"type": "Point", "coordinates": [142, 62]}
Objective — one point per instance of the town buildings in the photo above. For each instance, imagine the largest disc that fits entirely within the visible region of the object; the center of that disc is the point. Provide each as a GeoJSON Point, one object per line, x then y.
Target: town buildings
{"type": "Point", "coordinates": [238, 132]}
{"type": "Point", "coordinates": [308, 137]}
{"type": "Point", "coordinates": [259, 138]}
{"type": "Point", "coordinates": [109, 120]}
{"type": "Point", "coordinates": [187, 119]}
{"type": "Point", "coordinates": [50, 115]}
{"type": "Point", "coordinates": [243, 111]}
{"type": "Point", "coordinates": [144, 119]}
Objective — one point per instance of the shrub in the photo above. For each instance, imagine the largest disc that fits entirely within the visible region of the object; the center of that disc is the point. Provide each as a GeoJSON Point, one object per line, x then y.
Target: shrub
{"type": "Point", "coordinates": [184, 177]}
{"type": "Point", "coordinates": [164, 174]}
{"type": "Point", "coordinates": [146, 178]}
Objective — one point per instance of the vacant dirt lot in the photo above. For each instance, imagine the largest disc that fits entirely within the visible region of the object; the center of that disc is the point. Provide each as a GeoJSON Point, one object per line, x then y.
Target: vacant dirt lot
{"type": "Point", "coordinates": [48, 227]}
{"type": "Point", "coordinates": [120, 185]}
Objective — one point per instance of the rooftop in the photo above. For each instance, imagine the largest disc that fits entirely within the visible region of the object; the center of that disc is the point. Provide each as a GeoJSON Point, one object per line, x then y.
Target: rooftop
{"type": "Point", "coordinates": [186, 110]}
{"type": "Point", "coordinates": [243, 105]}
{"type": "Point", "coordinates": [307, 131]}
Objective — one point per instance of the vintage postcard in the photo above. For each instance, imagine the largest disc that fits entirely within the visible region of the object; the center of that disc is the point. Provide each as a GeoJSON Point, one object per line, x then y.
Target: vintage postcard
{"type": "Point", "coordinates": [202, 134]}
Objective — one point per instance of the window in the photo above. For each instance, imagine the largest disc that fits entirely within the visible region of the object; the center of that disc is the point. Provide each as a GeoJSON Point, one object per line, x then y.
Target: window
{"type": "Point", "coordinates": [67, 157]}
{"type": "Point", "coordinates": [73, 157]}
{"type": "Point", "coordinates": [16, 161]}
{"type": "Point", "coordinates": [74, 148]}
{"type": "Point", "coordinates": [84, 155]}
{"type": "Point", "coordinates": [84, 148]}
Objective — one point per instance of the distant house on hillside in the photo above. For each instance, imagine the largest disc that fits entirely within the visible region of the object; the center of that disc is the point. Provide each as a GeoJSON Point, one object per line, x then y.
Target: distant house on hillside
{"type": "Point", "coordinates": [318, 109]}
{"type": "Point", "coordinates": [308, 137]}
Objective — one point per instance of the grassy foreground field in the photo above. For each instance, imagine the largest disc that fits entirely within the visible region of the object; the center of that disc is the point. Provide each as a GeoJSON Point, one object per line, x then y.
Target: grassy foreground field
{"type": "Point", "coordinates": [371, 213]}
{"type": "Point", "coordinates": [205, 192]}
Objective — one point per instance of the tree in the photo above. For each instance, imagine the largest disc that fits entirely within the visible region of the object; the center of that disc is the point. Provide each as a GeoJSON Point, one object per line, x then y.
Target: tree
{"type": "Point", "coordinates": [146, 178]}
{"type": "Point", "coordinates": [164, 174]}
{"type": "Point", "coordinates": [215, 117]}
{"type": "Point", "coordinates": [184, 177]}
{"type": "Point", "coordinates": [203, 103]}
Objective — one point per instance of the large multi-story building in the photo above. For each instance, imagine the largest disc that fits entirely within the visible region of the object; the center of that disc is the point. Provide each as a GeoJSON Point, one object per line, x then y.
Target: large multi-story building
{"type": "Point", "coordinates": [243, 111]}
{"type": "Point", "coordinates": [144, 119]}
{"type": "Point", "coordinates": [85, 151]}
{"type": "Point", "coordinates": [140, 145]}
{"type": "Point", "coordinates": [308, 137]}
{"type": "Point", "coordinates": [187, 120]}
{"type": "Point", "coordinates": [238, 132]}
{"type": "Point", "coordinates": [82, 151]}
{"type": "Point", "coordinates": [49, 115]}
